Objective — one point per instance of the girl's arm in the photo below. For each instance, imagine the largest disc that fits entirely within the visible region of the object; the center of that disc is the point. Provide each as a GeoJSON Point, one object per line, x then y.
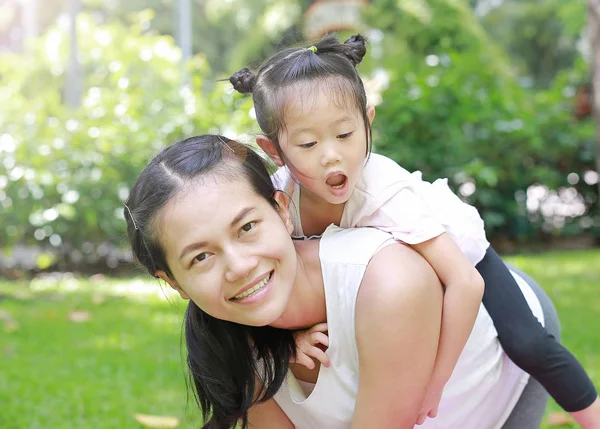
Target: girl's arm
{"type": "Point", "coordinates": [464, 291]}
{"type": "Point", "coordinates": [398, 315]}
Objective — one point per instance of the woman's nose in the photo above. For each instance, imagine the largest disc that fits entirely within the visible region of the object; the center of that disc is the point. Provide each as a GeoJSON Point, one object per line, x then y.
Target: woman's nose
{"type": "Point", "coordinates": [240, 265]}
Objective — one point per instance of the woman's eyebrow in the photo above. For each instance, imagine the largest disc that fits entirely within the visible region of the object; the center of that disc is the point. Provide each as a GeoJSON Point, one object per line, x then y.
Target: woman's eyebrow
{"type": "Point", "coordinates": [241, 215]}
{"type": "Point", "coordinates": [191, 247]}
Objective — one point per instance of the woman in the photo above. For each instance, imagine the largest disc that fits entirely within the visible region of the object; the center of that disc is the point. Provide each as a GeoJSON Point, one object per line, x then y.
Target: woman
{"type": "Point", "coordinates": [204, 217]}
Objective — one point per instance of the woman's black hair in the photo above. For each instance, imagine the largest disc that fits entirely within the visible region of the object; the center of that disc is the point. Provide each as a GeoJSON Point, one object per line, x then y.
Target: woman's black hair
{"type": "Point", "coordinates": [224, 358]}
{"type": "Point", "coordinates": [297, 71]}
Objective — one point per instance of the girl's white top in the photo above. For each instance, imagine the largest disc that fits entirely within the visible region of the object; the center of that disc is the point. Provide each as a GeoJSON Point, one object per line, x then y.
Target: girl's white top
{"type": "Point", "coordinates": [480, 394]}
{"type": "Point", "coordinates": [390, 198]}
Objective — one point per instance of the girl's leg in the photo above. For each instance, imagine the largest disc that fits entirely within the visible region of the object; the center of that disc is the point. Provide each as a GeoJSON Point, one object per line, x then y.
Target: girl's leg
{"type": "Point", "coordinates": [532, 347]}
{"type": "Point", "coordinates": [529, 410]}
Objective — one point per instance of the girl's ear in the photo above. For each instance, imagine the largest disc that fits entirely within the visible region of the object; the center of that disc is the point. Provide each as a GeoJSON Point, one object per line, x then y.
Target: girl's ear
{"type": "Point", "coordinates": [268, 146]}
{"type": "Point", "coordinates": [283, 201]}
{"type": "Point", "coordinates": [164, 276]}
{"type": "Point", "coordinates": [371, 114]}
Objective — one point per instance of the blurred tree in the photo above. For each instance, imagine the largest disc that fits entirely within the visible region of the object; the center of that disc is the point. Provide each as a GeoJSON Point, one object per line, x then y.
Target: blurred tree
{"type": "Point", "coordinates": [454, 108]}
{"type": "Point", "coordinates": [230, 34]}
{"type": "Point", "coordinates": [539, 35]}
{"type": "Point", "coordinates": [64, 172]}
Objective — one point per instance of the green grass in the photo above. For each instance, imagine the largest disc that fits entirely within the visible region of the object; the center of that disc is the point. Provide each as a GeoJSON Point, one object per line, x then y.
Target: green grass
{"type": "Point", "coordinates": [572, 280]}
{"type": "Point", "coordinates": [56, 373]}
{"type": "Point", "coordinates": [126, 359]}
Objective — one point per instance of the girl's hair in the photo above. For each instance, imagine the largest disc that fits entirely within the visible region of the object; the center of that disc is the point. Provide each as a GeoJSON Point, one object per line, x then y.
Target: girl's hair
{"type": "Point", "coordinates": [296, 71]}
{"type": "Point", "coordinates": [224, 358]}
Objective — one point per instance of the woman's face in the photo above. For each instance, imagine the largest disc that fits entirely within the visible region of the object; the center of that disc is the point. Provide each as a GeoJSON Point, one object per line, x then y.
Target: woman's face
{"type": "Point", "coordinates": [229, 251]}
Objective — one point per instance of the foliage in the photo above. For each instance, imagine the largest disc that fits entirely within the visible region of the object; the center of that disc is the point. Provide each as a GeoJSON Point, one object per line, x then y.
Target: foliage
{"type": "Point", "coordinates": [65, 173]}
{"type": "Point", "coordinates": [230, 34]}
{"type": "Point", "coordinates": [540, 35]}
{"type": "Point", "coordinates": [454, 109]}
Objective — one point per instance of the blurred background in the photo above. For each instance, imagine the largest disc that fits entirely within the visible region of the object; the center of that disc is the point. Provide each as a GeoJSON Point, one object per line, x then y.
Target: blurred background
{"type": "Point", "coordinates": [496, 95]}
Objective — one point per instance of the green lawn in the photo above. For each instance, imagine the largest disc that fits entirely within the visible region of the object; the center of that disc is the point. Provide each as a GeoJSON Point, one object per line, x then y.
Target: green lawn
{"type": "Point", "coordinates": [126, 359]}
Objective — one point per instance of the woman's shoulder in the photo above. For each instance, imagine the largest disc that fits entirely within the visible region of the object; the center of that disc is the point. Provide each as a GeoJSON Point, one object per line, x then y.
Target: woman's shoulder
{"type": "Point", "coordinates": [354, 246]}
{"type": "Point", "coordinates": [396, 269]}
{"type": "Point", "coordinates": [387, 263]}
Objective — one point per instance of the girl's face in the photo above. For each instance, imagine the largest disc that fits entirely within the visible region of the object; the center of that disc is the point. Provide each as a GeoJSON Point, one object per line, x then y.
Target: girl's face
{"type": "Point", "coordinates": [325, 144]}
{"type": "Point", "coordinates": [229, 251]}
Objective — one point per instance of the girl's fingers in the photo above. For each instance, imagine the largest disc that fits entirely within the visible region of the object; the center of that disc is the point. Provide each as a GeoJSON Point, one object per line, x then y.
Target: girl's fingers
{"type": "Point", "coordinates": [320, 355]}
{"type": "Point", "coordinates": [421, 419]}
{"type": "Point", "coordinates": [305, 360]}
{"type": "Point", "coordinates": [321, 327]}
{"type": "Point", "coordinates": [319, 338]}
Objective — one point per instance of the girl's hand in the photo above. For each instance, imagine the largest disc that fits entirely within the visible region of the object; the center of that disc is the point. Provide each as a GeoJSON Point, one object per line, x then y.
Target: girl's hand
{"type": "Point", "coordinates": [310, 344]}
{"type": "Point", "coordinates": [430, 403]}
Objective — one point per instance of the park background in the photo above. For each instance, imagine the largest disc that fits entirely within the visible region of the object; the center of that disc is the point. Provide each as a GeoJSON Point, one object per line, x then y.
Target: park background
{"type": "Point", "coordinates": [496, 95]}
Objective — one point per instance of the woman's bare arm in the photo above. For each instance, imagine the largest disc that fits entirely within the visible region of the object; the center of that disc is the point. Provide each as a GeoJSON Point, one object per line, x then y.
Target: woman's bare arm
{"type": "Point", "coordinates": [268, 415]}
{"type": "Point", "coordinates": [398, 319]}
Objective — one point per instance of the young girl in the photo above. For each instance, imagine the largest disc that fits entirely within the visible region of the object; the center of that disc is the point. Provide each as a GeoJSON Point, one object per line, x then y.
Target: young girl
{"type": "Point", "coordinates": [311, 106]}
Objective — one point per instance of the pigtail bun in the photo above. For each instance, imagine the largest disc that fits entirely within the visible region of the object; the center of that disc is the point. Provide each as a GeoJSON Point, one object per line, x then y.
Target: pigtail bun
{"type": "Point", "coordinates": [243, 81]}
{"type": "Point", "coordinates": [356, 48]}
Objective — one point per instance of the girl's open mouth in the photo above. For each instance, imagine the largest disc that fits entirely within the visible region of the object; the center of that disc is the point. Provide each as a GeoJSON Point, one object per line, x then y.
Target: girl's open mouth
{"type": "Point", "coordinates": [336, 181]}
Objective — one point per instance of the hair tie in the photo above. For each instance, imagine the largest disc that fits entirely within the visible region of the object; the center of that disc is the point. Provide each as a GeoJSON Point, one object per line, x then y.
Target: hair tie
{"type": "Point", "coordinates": [312, 48]}
{"type": "Point", "coordinates": [132, 219]}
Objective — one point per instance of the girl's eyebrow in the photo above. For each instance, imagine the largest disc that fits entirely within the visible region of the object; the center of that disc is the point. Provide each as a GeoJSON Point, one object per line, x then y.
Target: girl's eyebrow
{"type": "Point", "coordinates": [194, 246]}
{"type": "Point", "coordinates": [346, 118]}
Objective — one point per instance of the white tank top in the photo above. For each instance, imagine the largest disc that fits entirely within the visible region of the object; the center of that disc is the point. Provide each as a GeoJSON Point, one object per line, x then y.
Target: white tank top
{"type": "Point", "coordinates": [480, 394]}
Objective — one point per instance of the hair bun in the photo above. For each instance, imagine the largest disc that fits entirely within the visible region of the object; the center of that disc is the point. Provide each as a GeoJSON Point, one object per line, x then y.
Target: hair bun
{"type": "Point", "coordinates": [243, 81]}
{"type": "Point", "coordinates": [357, 48]}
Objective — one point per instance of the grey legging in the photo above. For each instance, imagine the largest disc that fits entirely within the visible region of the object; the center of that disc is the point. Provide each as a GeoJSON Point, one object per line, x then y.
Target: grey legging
{"type": "Point", "coordinates": [529, 410]}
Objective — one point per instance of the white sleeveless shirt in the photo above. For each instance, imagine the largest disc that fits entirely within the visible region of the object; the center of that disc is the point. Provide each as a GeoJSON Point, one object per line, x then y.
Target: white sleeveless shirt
{"type": "Point", "coordinates": [480, 394]}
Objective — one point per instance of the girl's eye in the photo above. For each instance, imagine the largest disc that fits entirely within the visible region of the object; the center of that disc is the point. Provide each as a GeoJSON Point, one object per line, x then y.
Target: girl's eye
{"type": "Point", "coordinates": [248, 227]}
{"type": "Point", "coordinates": [308, 145]}
{"type": "Point", "coordinates": [345, 135]}
{"type": "Point", "coordinates": [201, 257]}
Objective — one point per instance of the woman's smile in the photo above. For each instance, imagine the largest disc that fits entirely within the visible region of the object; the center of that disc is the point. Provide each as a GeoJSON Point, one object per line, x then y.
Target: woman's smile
{"type": "Point", "coordinates": [255, 291]}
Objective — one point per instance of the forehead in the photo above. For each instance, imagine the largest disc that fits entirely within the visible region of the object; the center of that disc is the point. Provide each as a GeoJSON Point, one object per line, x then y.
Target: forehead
{"type": "Point", "coordinates": [205, 207]}
{"type": "Point", "coordinates": [304, 97]}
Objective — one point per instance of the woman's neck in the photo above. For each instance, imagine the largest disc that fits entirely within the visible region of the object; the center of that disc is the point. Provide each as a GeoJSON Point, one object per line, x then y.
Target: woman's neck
{"type": "Point", "coordinates": [306, 304]}
{"type": "Point", "coordinates": [316, 214]}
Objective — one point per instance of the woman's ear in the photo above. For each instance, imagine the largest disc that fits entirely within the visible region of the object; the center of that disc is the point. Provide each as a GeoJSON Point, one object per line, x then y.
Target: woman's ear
{"type": "Point", "coordinates": [164, 276]}
{"type": "Point", "coordinates": [268, 146]}
{"type": "Point", "coordinates": [371, 114]}
{"type": "Point", "coordinates": [283, 201]}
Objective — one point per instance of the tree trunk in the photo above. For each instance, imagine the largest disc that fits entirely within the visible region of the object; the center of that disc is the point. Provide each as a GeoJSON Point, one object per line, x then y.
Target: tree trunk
{"type": "Point", "coordinates": [594, 42]}
{"type": "Point", "coordinates": [74, 84]}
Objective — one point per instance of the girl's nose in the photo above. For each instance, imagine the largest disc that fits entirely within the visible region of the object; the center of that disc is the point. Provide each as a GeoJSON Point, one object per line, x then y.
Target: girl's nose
{"type": "Point", "coordinates": [330, 155]}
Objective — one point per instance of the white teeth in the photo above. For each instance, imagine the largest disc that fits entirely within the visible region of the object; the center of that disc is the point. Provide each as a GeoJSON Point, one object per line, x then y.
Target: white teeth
{"type": "Point", "coordinates": [338, 186]}
{"type": "Point", "coordinates": [254, 288]}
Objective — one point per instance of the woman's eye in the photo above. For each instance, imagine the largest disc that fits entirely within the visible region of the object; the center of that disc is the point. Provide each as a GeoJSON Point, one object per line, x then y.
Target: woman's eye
{"type": "Point", "coordinates": [308, 145]}
{"type": "Point", "coordinates": [345, 135]}
{"type": "Point", "coordinates": [248, 227]}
